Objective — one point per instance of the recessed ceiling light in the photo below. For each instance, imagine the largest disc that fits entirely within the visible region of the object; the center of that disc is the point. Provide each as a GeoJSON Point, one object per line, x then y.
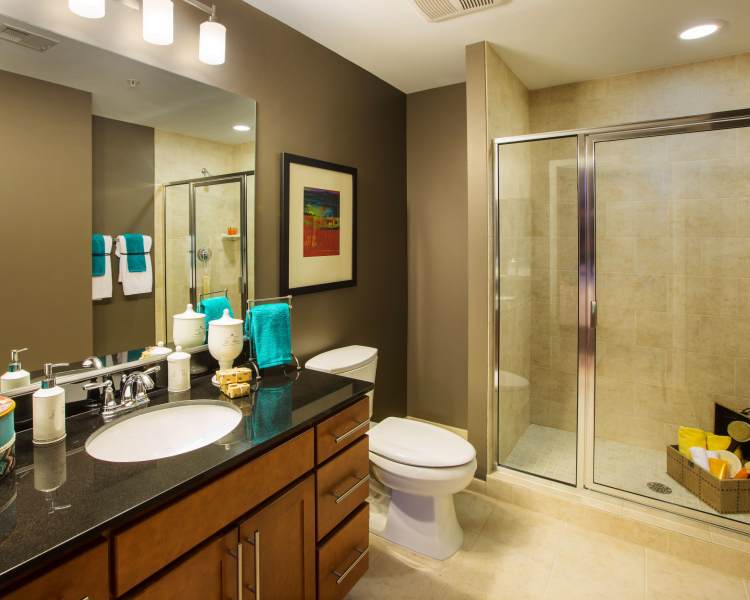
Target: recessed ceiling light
{"type": "Point", "coordinates": [700, 31]}
{"type": "Point", "coordinates": [241, 127]}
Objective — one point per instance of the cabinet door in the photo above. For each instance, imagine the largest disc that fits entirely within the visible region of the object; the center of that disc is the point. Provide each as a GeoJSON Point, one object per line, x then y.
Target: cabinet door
{"type": "Point", "coordinates": [208, 574]}
{"type": "Point", "coordinates": [85, 577]}
{"type": "Point", "coordinates": [278, 547]}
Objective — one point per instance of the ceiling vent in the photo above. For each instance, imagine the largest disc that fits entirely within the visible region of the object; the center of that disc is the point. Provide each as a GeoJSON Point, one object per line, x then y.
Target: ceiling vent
{"type": "Point", "coordinates": [26, 39]}
{"type": "Point", "coordinates": [440, 10]}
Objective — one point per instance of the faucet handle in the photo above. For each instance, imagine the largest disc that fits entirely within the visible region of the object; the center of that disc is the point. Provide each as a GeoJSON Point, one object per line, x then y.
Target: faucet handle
{"type": "Point", "coordinates": [107, 391]}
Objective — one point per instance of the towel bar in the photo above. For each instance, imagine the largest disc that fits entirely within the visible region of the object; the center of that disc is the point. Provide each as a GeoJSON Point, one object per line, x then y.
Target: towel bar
{"type": "Point", "coordinates": [225, 292]}
{"type": "Point", "coordinates": [253, 361]}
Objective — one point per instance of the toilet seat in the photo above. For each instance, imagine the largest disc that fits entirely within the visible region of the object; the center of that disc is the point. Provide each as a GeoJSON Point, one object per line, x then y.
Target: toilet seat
{"type": "Point", "coordinates": [419, 445]}
{"type": "Point", "coordinates": [423, 481]}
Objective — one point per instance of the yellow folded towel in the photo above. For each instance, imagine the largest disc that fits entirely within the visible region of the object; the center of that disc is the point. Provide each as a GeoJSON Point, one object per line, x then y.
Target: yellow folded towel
{"type": "Point", "coordinates": [688, 437]}
{"type": "Point", "coordinates": [717, 442]}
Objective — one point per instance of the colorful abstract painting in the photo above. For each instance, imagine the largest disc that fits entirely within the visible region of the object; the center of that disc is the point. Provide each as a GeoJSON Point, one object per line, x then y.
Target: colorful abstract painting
{"type": "Point", "coordinates": [321, 228]}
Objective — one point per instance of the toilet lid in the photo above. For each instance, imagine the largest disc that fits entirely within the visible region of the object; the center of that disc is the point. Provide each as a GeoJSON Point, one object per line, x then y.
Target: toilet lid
{"type": "Point", "coordinates": [341, 360]}
{"type": "Point", "coordinates": [419, 444]}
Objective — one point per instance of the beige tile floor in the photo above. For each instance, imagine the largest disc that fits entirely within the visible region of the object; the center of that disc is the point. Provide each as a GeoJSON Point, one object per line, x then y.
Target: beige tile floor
{"type": "Point", "coordinates": [515, 554]}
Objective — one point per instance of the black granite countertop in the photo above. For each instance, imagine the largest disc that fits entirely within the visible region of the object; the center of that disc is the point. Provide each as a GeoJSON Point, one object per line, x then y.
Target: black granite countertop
{"type": "Point", "coordinates": [60, 497]}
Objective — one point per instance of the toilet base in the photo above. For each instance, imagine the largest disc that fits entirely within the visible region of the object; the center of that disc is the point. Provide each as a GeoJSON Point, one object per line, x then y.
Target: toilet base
{"type": "Point", "coordinates": [425, 524]}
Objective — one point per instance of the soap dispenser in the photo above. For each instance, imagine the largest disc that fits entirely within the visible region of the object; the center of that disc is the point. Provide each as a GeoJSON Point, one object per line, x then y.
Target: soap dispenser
{"type": "Point", "coordinates": [16, 377]}
{"type": "Point", "coordinates": [49, 408]}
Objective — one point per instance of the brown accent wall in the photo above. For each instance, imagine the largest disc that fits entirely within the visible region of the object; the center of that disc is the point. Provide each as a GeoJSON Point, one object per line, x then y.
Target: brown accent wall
{"type": "Point", "coordinates": [123, 202]}
{"type": "Point", "coordinates": [45, 223]}
{"type": "Point", "coordinates": [313, 102]}
{"type": "Point", "coordinates": [436, 231]}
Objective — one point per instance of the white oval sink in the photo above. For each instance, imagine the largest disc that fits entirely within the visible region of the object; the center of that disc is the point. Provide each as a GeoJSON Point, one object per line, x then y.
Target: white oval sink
{"type": "Point", "coordinates": [164, 430]}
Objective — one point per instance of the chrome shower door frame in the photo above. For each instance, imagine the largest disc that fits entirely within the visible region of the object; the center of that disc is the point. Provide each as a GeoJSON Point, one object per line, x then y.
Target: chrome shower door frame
{"type": "Point", "coordinates": [587, 140]}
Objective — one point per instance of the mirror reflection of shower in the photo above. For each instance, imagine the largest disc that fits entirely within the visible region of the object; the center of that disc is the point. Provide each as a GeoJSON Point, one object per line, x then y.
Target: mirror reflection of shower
{"type": "Point", "coordinates": [204, 256]}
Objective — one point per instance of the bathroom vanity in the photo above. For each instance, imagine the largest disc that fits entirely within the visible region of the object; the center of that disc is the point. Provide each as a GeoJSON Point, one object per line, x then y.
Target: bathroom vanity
{"type": "Point", "coordinates": [274, 510]}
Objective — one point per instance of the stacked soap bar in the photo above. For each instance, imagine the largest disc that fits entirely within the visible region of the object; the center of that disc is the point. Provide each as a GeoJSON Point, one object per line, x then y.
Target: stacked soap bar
{"type": "Point", "coordinates": [235, 383]}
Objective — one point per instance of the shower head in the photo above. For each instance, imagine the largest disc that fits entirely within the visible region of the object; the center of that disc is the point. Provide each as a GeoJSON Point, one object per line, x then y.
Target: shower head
{"type": "Point", "coordinates": [205, 172]}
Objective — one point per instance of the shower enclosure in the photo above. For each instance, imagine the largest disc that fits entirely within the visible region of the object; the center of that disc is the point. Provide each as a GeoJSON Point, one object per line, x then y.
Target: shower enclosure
{"type": "Point", "coordinates": [622, 300]}
{"type": "Point", "coordinates": [207, 253]}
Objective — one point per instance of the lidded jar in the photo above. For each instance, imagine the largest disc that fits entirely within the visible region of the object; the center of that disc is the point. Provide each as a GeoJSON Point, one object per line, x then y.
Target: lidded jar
{"type": "Point", "coordinates": [189, 328]}
{"type": "Point", "coordinates": [178, 365]}
{"type": "Point", "coordinates": [225, 339]}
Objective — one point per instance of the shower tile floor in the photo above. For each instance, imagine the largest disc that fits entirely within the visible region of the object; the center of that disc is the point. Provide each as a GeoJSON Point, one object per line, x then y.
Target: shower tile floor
{"type": "Point", "coordinates": [551, 453]}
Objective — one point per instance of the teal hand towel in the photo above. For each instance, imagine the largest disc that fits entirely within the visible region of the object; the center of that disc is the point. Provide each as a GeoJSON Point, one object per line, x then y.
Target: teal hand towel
{"type": "Point", "coordinates": [214, 308]}
{"type": "Point", "coordinates": [136, 254]}
{"type": "Point", "coordinates": [271, 334]}
{"type": "Point", "coordinates": [98, 264]}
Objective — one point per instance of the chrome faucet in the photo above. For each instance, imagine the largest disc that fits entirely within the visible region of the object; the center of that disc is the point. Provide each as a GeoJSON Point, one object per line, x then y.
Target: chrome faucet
{"type": "Point", "coordinates": [133, 392]}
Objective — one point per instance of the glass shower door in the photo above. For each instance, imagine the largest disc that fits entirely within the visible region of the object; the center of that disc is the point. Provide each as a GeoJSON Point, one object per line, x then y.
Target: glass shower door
{"type": "Point", "coordinates": [673, 299]}
{"type": "Point", "coordinates": [537, 205]}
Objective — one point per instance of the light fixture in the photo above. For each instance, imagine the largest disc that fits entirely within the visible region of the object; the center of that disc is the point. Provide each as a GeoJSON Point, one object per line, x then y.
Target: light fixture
{"type": "Point", "coordinates": [158, 22]}
{"type": "Point", "coordinates": [701, 31]}
{"type": "Point", "coordinates": [241, 127]}
{"type": "Point", "coordinates": [213, 42]}
{"type": "Point", "coordinates": [91, 9]}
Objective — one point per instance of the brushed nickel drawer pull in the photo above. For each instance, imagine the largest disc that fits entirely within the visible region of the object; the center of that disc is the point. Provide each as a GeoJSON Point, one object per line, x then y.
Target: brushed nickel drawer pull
{"type": "Point", "coordinates": [342, 576]}
{"type": "Point", "coordinates": [239, 571]}
{"type": "Point", "coordinates": [255, 542]}
{"type": "Point", "coordinates": [361, 480]}
{"type": "Point", "coordinates": [351, 432]}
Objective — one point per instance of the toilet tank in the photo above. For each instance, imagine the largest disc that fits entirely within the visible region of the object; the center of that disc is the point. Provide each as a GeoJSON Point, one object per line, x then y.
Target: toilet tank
{"type": "Point", "coordinates": [357, 362]}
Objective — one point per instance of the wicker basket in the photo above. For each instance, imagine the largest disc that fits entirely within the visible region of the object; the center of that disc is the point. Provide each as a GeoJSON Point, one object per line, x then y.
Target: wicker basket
{"type": "Point", "coordinates": [723, 495]}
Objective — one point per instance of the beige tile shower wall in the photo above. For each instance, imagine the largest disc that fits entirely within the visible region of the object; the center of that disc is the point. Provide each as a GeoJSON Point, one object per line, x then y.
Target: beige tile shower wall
{"type": "Point", "coordinates": [179, 157]}
{"type": "Point", "coordinates": [710, 86]}
{"type": "Point", "coordinates": [508, 114]}
{"type": "Point", "coordinates": [672, 251]}
{"type": "Point", "coordinates": [554, 283]}
{"type": "Point", "coordinates": [673, 237]}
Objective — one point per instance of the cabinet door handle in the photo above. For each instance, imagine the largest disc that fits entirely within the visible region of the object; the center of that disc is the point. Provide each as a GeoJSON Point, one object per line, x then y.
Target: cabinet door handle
{"type": "Point", "coordinates": [255, 542]}
{"type": "Point", "coordinates": [361, 480]}
{"type": "Point", "coordinates": [239, 571]}
{"type": "Point", "coordinates": [342, 576]}
{"type": "Point", "coordinates": [351, 432]}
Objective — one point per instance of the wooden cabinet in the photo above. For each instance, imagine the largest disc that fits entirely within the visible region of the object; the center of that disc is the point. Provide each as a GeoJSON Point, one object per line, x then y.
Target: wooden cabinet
{"type": "Point", "coordinates": [342, 485]}
{"type": "Point", "coordinates": [344, 557]}
{"type": "Point", "coordinates": [278, 547]}
{"type": "Point", "coordinates": [85, 577]}
{"type": "Point", "coordinates": [342, 429]}
{"type": "Point", "coordinates": [209, 573]}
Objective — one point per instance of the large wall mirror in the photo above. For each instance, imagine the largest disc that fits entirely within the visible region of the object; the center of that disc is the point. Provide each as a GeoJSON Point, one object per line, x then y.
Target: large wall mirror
{"type": "Point", "coordinates": [95, 144]}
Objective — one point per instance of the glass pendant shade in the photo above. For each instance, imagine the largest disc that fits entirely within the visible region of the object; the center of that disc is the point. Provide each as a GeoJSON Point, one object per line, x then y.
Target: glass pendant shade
{"type": "Point", "coordinates": [158, 22]}
{"type": "Point", "coordinates": [91, 9]}
{"type": "Point", "coordinates": [213, 42]}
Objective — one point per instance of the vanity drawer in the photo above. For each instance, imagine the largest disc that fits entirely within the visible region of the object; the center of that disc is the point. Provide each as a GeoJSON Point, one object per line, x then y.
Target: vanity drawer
{"type": "Point", "coordinates": [84, 577]}
{"type": "Point", "coordinates": [344, 557]}
{"type": "Point", "coordinates": [153, 543]}
{"type": "Point", "coordinates": [342, 429]}
{"type": "Point", "coordinates": [342, 485]}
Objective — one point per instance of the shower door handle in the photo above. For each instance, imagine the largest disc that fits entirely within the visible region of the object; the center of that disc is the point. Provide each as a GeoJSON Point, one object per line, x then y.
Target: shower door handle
{"type": "Point", "coordinates": [594, 314]}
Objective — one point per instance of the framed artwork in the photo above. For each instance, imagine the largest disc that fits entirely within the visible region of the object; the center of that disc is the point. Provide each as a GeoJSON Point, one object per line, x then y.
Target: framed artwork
{"type": "Point", "coordinates": [318, 225]}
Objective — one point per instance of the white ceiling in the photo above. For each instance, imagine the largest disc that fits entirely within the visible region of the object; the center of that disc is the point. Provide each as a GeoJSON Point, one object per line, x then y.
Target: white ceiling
{"type": "Point", "coordinates": [545, 42]}
{"type": "Point", "coordinates": [161, 100]}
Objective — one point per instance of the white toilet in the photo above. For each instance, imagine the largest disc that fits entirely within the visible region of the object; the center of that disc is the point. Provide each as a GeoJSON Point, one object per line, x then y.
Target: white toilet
{"type": "Point", "coordinates": [422, 464]}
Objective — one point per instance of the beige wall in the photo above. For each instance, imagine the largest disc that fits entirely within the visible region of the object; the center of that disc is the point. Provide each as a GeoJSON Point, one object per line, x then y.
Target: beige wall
{"type": "Point", "coordinates": [497, 105]}
{"type": "Point", "coordinates": [45, 229]}
{"type": "Point", "coordinates": [436, 208]}
{"type": "Point", "coordinates": [313, 102]}
{"type": "Point", "coordinates": [123, 202]}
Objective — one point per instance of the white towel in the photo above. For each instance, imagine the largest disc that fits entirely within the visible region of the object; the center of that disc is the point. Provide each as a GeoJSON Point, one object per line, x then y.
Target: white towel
{"type": "Point", "coordinates": [135, 283]}
{"type": "Point", "coordinates": [101, 287]}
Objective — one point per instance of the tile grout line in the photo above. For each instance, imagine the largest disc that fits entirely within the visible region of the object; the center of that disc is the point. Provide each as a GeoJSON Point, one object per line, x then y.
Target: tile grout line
{"type": "Point", "coordinates": [645, 572]}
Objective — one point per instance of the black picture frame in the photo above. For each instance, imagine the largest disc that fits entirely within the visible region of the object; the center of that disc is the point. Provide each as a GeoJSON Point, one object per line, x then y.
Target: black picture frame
{"type": "Point", "coordinates": [287, 159]}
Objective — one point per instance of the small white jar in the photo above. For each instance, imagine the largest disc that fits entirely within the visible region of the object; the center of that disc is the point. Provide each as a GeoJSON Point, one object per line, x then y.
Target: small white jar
{"type": "Point", "coordinates": [189, 328]}
{"type": "Point", "coordinates": [178, 366]}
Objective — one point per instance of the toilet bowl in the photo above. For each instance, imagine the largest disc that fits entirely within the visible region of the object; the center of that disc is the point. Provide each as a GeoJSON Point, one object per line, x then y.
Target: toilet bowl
{"type": "Point", "coordinates": [423, 465]}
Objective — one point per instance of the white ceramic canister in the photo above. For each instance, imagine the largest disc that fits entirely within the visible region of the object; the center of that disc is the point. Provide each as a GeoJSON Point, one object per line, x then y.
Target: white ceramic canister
{"type": "Point", "coordinates": [225, 339]}
{"type": "Point", "coordinates": [178, 364]}
{"type": "Point", "coordinates": [189, 328]}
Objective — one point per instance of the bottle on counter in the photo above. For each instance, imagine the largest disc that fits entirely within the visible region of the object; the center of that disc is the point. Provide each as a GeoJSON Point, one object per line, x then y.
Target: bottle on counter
{"type": "Point", "coordinates": [49, 408]}
{"type": "Point", "coordinates": [16, 377]}
{"type": "Point", "coordinates": [178, 364]}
